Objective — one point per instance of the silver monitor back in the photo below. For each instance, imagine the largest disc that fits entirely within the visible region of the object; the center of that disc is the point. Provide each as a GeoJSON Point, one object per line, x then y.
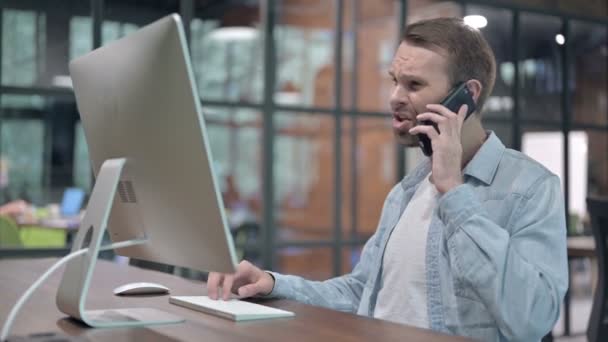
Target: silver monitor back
{"type": "Point", "coordinates": [137, 100]}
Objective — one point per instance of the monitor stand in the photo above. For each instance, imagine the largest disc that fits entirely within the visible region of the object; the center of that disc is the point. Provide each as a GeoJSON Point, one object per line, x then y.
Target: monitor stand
{"type": "Point", "coordinates": [74, 286]}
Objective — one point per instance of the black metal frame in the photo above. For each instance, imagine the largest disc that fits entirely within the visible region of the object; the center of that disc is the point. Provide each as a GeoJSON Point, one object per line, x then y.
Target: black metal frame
{"type": "Point", "coordinates": [268, 107]}
{"type": "Point", "coordinates": [338, 113]}
{"type": "Point", "coordinates": [268, 240]}
{"type": "Point", "coordinates": [1, 53]}
{"type": "Point", "coordinates": [516, 129]}
{"type": "Point", "coordinates": [566, 111]}
{"type": "Point", "coordinates": [354, 129]}
{"type": "Point", "coordinates": [597, 330]}
{"type": "Point", "coordinates": [402, 22]}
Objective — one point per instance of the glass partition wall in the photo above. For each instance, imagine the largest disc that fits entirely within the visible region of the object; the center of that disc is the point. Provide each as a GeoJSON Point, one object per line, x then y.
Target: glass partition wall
{"type": "Point", "coordinates": [295, 95]}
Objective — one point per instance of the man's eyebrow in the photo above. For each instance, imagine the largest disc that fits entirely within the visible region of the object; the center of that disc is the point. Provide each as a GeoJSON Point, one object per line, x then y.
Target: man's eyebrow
{"type": "Point", "coordinates": [405, 76]}
{"type": "Point", "coordinates": [412, 77]}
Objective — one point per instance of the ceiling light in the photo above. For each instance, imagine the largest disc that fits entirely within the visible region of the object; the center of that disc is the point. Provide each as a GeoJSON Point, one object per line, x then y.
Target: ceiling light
{"type": "Point", "coordinates": [233, 34]}
{"type": "Point", "coordinates": [62, 81]}
{"type": "Point", "coordinates": [476, 21]}
{"type": "Point", "coordinates": [560, 39]}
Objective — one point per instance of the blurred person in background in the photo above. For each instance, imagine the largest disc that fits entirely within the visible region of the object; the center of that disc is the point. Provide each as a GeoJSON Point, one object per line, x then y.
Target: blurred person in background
{"type": "Point", "coordinates": [14, 209]}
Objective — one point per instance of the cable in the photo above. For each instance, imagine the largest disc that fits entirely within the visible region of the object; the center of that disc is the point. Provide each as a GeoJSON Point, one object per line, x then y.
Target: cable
{"type": "Point", "coordinates": [11, 316]}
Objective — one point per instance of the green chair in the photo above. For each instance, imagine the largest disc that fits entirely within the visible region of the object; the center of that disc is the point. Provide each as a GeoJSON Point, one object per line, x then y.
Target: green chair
{"type": "Point", "coordinates": [33, 236]}
{"type": "Point", "coordinates": [9, 233]}
{"type": "Point", "coordinates": [12, 243]}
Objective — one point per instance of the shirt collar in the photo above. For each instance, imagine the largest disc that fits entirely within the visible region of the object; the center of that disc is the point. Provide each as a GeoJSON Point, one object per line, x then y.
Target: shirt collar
{"type": "Point", "coordinates": [483, 166]}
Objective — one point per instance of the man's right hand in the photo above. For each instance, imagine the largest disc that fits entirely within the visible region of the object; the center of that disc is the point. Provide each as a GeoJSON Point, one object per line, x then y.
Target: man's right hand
{"type": "Point", "coordinates": [248, 281]}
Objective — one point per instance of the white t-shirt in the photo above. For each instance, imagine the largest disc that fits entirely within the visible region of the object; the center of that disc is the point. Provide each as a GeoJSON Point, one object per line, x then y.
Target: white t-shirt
{"type": "Point", "coordinates": [402, 298]}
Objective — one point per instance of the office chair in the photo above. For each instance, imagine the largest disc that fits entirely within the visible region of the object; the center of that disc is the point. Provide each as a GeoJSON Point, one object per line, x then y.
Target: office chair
{"type": "Point", "coordinates": [245, 240]}
{"type": "Point", "coordinates": [597, 330]}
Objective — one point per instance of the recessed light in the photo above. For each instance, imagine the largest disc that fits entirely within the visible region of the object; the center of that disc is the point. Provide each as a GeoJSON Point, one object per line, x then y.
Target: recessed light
{"type": "Point", "coordinates": [476, 21]}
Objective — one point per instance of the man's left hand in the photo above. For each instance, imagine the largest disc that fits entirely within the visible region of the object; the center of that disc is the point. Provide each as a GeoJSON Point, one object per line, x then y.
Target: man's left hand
{"type": "Point", "coordinates": [447, 146]}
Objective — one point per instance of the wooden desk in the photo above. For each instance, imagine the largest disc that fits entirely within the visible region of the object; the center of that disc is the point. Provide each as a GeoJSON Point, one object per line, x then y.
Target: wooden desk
{"type": "Point", "coordinates": [71, 223]}
{"type": "Point", "coordinates": [581, 246]}
{"type": "Point", "coordinates": [310, 324]}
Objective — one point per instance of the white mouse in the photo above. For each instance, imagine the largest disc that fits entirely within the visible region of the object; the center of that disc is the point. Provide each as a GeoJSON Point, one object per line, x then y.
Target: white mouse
{"type": "Point", "coordinates": [140, 289]}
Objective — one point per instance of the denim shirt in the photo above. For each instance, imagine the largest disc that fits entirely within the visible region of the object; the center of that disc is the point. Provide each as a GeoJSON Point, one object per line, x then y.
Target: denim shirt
{"type": "Point", "coordinates": [496, 252]}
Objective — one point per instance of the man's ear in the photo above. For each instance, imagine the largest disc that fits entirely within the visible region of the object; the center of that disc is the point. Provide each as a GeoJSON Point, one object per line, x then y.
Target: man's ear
{"type": "Point", "coordinates": [475, 88]}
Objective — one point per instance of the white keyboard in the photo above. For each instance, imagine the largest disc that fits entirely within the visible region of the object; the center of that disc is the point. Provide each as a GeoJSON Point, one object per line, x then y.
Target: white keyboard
{"type": "Point", "coordinates": [233, 309]}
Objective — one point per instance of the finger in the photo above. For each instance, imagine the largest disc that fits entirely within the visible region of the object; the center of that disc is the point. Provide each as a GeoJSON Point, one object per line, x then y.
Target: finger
{"type": "Point", "coordinates": [462, 113]}
{"type": "Point", "coordinates": [243, 269]}
{"type": "Point", "coordinates": [429, 130]}
{"type": "Point", "coordinates": [434, 117]}
{"type": "Point", "coordinates": [453, 121]}
{"type": "Point", "coordinates": [248, 290]}
{"type": "Point", "coordinates": [213, 281]}
{"type": "Point", "coordinates": [227, 287]}
{"type": "Point", "coordinates": [249, 273]}
{"type": "Point", "coordinates": [440, 109]}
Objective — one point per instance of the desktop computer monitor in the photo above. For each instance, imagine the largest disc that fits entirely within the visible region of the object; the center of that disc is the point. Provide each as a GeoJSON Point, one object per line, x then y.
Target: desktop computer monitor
{"type": "Point", "coordinates": [138, 100]}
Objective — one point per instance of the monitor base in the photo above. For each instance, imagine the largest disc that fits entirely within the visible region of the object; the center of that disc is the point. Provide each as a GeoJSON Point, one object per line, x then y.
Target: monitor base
{"type": "Point", "coordinates": [129, 317]}
{"type": "Point", "coordinates": [75, 283]}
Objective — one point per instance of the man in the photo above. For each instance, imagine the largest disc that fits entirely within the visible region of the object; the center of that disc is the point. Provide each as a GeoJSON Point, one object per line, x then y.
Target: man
{"type": "Point", "coordinates": [473, 241]}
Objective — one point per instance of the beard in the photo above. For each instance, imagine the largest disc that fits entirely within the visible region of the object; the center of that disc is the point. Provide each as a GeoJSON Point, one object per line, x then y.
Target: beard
{"type": "Point", "coordinates": [406, 139]}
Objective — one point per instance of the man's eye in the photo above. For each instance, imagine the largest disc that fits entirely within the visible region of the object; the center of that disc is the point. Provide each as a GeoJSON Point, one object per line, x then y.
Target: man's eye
{"type": "Point", "coordinates": [414, 85]}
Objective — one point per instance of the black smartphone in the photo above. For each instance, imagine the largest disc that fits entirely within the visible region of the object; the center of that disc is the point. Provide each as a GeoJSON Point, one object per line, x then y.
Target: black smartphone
{"type": "Point", "coordinates": [459, 96]}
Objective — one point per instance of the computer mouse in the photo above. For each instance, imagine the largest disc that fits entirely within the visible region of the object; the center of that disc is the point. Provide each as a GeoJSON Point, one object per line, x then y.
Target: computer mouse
{"type": "Point", "coordinates": [142, 288]}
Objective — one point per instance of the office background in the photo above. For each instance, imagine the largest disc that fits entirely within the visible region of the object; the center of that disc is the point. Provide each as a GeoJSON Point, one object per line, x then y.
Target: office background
{"type": "Point", "coordinates": [295, 96]}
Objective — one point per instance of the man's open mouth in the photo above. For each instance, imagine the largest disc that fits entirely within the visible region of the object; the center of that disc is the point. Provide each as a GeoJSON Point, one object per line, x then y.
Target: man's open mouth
{"type": "Point", "coordinates": [400, 118]}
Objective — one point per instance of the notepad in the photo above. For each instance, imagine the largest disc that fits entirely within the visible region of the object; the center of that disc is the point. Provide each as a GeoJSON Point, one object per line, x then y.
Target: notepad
{"type": "Point", "coordinates": [234, 309]}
